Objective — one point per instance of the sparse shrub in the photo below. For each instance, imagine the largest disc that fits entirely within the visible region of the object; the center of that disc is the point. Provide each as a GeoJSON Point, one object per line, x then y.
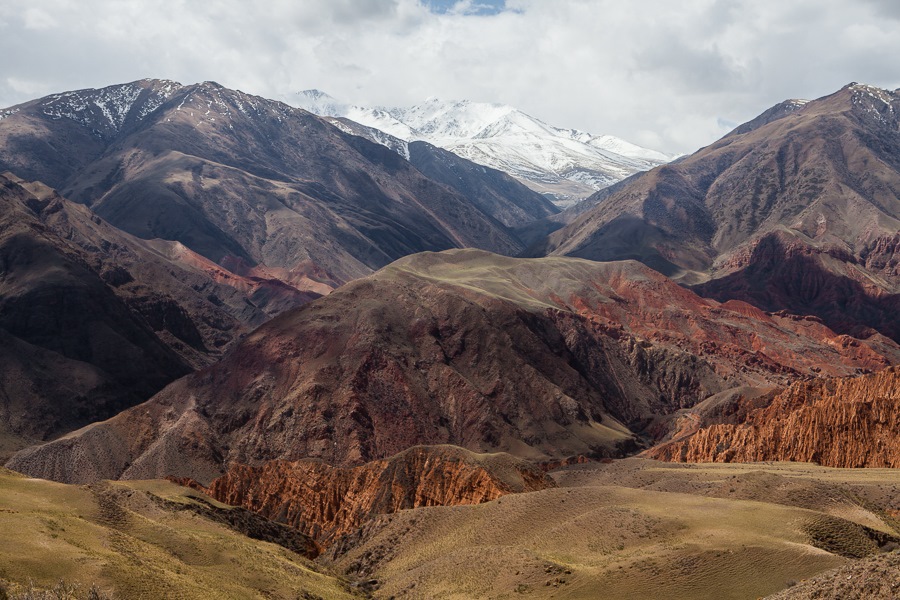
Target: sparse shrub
{"type": "Point", "coordinates": [840, 536]}
{"type": "Point", "coordinates": [63, 590]}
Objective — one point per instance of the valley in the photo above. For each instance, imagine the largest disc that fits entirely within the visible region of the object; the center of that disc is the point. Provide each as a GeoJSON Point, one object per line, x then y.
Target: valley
{"type": "Point", "coordinates": [625, 528]}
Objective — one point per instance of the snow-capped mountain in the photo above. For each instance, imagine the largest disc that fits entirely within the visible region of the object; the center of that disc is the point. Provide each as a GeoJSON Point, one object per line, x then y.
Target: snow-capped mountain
{"type": "Point", "coordinates": [565, 164]}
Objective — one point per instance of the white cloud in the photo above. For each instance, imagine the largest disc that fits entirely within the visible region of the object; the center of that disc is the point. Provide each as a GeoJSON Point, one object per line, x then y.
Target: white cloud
{"type": "Point", "coordinates": [669, 75]}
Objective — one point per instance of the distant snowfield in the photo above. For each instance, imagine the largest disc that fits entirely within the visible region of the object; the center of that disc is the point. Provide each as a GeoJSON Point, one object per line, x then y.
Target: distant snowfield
{"type": "Point", "coordinates": [565, 164]}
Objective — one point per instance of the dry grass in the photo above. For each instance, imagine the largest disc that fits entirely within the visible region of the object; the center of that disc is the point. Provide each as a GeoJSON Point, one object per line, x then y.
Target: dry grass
{"type": "Point", "coordinates": [627, 529]}
{"type": "Point", "coordinates": [676, 532]}
{"type": "Point", "coordinates": [120, 539]}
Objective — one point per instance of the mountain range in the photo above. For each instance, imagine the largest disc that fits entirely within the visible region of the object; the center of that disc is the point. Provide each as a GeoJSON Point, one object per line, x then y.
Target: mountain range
{"type": "Point", "coordinates": [543, 359]}
{"type": "Point", "coordinates": [797, 210]}
{"type": "Point", "coordinates": [336, 328]}
{"type": "Point", "coordinates": [567, 165]}
{"type": "Point", "coordinates": [186, 216]}
{"type": "Point", "coordinates": [247, 182]}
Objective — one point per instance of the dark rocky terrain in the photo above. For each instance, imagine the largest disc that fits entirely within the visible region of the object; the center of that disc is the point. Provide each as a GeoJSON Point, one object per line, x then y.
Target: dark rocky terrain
{"type": "Point", "coordinates": [95, 320]}
{"type": "Point", "coordinates": [797, 210]}
{"type": "Point", "coordinates": [540, 358]}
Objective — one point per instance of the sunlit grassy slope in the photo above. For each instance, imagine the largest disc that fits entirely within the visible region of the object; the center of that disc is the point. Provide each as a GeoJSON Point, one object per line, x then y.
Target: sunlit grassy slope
{"type": "Point", "coordinates": [636, 529]}
{"type": "Point", "coordinates": [134, 541]}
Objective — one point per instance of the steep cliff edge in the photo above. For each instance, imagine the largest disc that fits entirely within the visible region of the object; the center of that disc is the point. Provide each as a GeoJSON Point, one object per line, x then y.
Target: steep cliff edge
{"type": "Point", "coordinates": [841, 422]}
{"type": "Point", "coordinates": [326, 502]}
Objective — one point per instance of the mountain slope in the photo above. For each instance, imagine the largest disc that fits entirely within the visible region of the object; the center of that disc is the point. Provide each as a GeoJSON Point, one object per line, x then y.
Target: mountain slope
{"type": "Point", "coordinates": [151, 539]}
{"type": "Point", "coordinates": [565, 164]}
{"type": "Point", "coordinates": [243, 181]}
{"type": "Point", "coordinates": [95, 320]}
{"type": "Point", "coordinates": [493, 191]}
{"type": "Point", "coordinates": [798, 210]}
{"type": "Point", "coordinates": [635, 529]}
{"type": "Point", "coordinates": [539, 358]}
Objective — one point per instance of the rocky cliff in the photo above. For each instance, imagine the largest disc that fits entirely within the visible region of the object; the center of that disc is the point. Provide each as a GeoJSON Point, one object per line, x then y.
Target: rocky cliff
{"type": "Point", "coordinates": [326, 502]}
{"type": "Point", "coordinates": [841, 422]}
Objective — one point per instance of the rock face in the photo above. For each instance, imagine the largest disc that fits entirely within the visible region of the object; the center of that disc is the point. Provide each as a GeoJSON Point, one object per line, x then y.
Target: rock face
{"type": "Point", "coordinates": [543, 359]}
{"type": "Point", "coordinates": [245, 181]}
{"type": "Point", "coordinates": [326, 502]}
{"type": "Point", "coordinates": [843, 422]}
{"type": "Point", "coordinates": [797, 210]}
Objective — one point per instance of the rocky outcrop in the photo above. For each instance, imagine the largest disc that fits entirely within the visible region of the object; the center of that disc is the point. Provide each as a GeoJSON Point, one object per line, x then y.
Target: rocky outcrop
{"type": "Point", "coordinates": [544, 359]}
{"type": "Point", "coordinates": [842, 422]}
{"type": "Point", "coordinates": [326, 502]}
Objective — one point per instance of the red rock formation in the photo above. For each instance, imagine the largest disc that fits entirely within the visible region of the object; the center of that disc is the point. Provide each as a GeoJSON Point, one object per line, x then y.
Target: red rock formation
{"type": "Point", "coordinates": [842, 422]}
{"type": "Point", "coordinates": [326, 502]}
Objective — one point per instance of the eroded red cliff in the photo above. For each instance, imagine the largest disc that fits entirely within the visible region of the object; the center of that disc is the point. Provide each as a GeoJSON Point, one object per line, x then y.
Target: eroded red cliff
{"type": "Point", "coordinates": [841, 422]}
{"type": "Point", "coordinates": [326, 502]}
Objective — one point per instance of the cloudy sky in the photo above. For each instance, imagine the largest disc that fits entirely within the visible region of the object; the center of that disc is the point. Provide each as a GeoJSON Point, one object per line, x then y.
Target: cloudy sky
{"type": "Point", "coordinates": [672, 76]}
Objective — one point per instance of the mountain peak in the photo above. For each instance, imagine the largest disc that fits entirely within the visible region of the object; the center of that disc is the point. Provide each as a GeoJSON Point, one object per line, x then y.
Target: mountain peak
{"type": "Point", "coordinates": [315, 94]}
{"type": "Point", "coordinates": [780, 110]}
{"type": "Point", "coordinates": [564, 164]}
{"type": "Point", "coordinates": [107, 110]}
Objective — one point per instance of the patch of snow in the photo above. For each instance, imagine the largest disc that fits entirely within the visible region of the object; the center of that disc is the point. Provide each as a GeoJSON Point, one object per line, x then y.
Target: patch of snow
{"type": "Point", "coordinates": [876, 103]}
{"type": "Point", "coordinates": [108, 108]}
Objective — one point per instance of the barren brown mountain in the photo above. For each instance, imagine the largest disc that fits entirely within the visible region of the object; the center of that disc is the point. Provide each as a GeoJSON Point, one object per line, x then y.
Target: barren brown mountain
{"type": "Point", "coordinates": [797, 210]}
{"type": "Point", "coordinates": [248, 182]}
{"type": "Point", "coordinates": [541, 358]}
{"type": "Point", "coordinates": [95, 320]}
{"type": "Point", "coordinates": [240, 208]}
{"type": "Point", "coordinates": [843, 422]}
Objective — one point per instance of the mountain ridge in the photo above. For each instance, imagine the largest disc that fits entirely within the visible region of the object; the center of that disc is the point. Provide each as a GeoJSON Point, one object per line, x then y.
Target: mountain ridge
{"type": "Point", "coordinates": [811, 186]}
{"type": "Point", "coordinates": [545, 359]}
{"type": "Point", "coordinates": [247, 181]}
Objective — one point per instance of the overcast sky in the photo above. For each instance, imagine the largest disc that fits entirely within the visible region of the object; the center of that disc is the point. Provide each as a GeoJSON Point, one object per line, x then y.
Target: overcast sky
{"type": "Point", "coordinates": [668, 75]}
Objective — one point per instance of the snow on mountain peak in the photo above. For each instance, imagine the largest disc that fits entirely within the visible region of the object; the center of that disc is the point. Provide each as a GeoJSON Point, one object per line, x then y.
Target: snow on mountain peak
{"type": "Point", "coordinates": [108, 108]}
{"type": "Point", "coordinates": [565, 164]}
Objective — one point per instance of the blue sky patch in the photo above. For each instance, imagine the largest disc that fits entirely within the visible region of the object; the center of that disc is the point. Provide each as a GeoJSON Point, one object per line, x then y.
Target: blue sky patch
{"type": "Point", "coordinates": [476, 7]}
